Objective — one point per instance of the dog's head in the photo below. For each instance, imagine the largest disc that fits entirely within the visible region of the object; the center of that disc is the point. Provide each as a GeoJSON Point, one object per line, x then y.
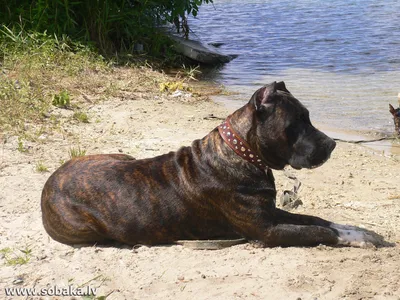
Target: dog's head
{"type": "Point", "coordinates": [282, 130]}
{"type": "Point", "coordinates": [396, 118]}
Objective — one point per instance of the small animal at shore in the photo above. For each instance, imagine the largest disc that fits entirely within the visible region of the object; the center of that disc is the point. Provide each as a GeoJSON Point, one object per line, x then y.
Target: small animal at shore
{"type": "Point", "coordinates": [396, 118]}
{"type": "Point", "coordinates": [221, 187]}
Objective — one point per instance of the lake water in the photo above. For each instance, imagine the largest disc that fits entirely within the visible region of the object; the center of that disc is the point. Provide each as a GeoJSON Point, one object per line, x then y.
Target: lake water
{"type": "Point", "coordinates": [340, 58]}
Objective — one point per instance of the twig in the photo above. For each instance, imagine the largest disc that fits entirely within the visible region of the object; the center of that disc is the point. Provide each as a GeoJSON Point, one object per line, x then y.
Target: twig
{"type": "Point", "coordinates": [212, 117]}
{"type": "Point", "coordinates": [366, 141]}
{"type": "Point", "coordinates": [83, 284]}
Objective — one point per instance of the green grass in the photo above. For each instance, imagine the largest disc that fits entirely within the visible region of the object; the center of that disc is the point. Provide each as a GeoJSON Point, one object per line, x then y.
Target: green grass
{"type": "Point", "coordinates": [41, 168]}
{"type": "Point", "coordinates": [61, 99]}
{"type": "Point", "coordinates": [81, 117]}
{"type": "Point", "coordinates": [191, 73]}
{"type": "Point", "coordinates": [5, 251]}
{"type": "Point", "coordinates": [21, 148]}
{"type": "Point", "coordinates": [40, 72]}
{"type": "Point", "coordinates": [76, 152]}
{"type": "Point", "coordinates": [37, 71]}
{"type": "Point", "coordinates": [14, 258]}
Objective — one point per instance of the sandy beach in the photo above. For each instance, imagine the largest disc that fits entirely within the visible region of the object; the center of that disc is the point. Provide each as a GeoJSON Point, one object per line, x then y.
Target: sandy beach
{"type": "Point", "coordinates": [356, 186]}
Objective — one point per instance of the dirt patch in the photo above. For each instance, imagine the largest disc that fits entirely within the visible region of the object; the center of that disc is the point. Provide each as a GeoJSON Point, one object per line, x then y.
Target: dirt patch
{"type": "Point", "coordinates": [356, 186]}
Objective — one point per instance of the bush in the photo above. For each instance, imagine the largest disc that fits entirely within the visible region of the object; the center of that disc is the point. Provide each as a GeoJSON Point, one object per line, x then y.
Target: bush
{"type": "Point", "coordinates": [111, 24]}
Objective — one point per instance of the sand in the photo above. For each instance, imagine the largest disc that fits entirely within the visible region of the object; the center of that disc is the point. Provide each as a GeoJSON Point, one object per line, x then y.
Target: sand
{"type": "Point", "coordinates": [356, 186]}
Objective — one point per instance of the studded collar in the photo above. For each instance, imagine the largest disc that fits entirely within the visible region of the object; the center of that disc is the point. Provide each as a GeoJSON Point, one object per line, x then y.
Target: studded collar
{"type": "Point", "coordinates": [239, 145]}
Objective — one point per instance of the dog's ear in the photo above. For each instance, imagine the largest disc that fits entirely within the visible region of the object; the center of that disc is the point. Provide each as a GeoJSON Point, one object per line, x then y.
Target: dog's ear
{"type": "Point", "coordinates": [280, 86]}
{"type": "Point", "coordinates": [263, 95]}
{"type": "Point", "coordinates": [392, 110]}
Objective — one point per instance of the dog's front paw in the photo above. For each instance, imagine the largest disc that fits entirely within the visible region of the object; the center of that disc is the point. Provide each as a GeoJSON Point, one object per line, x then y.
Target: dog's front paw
{"type": "Point", "coordinates": [357, 237]}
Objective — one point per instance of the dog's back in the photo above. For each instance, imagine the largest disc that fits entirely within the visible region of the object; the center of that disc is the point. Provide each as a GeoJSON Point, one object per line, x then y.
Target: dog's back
{"type": "Point", "coordinates": [102, 198]}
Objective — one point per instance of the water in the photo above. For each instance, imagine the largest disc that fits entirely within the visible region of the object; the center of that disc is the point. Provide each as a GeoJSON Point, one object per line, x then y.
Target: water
{"type": "Point", "coordinates": [340, 58]}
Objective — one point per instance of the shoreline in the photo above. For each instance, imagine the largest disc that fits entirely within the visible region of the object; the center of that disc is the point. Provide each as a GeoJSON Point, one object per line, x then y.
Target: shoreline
{"type": "Point", "coordinates": [385, 147]}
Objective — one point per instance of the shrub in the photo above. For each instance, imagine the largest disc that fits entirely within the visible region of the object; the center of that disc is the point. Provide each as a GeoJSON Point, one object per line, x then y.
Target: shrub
{"type": "Point", "coordinates": [111, 24]}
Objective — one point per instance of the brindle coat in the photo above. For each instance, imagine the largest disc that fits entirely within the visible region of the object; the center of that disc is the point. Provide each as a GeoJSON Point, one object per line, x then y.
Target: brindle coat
{"type": "Point", "coordinates": [204, 191]}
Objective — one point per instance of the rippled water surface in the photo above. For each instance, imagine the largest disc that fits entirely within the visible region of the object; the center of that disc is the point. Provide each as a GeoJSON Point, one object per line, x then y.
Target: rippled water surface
{"type": "Point", "coordinates": [340, 58]}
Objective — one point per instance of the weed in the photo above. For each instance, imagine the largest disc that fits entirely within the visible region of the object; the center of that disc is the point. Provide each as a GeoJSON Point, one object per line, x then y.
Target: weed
{"type": "Point", "coordinates": [190, 73]}
{"type": "Point", "coordinates": [40, 167]}
{"type": "Point", "coordinates": [110, 90]}
{"type": "Point", "coordinates": [13, 258]}
{"type": "Point", "coordinates": [61, 99]}
{"type": "Point", "coordinates": [81, 117]}
{"type": "Point", "coordinates": [21, 148]}
{"type": "Point", "coordinates": [5, 251]}
{"type": "Point", "coordinates": [76, 152]}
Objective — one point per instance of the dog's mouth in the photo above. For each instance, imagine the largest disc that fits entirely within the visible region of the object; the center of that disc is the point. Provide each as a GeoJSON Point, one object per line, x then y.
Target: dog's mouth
{"type": "Point", "coordinates": [296, 167]}
{"type": "Point", "coordinates": [320, 163]}
{"type": "Point", "coordinates": [310, 165]}
{"type": "Point", "coordinates": [317, 165]}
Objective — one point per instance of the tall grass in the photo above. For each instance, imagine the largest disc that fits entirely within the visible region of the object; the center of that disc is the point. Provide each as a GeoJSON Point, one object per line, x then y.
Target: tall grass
{"type": "Point", "coordinates": [111, 24]}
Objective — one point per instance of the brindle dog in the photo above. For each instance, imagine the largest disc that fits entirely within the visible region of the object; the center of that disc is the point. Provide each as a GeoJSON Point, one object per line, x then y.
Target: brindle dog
{"type": "Point", "coordinates": [207, 191]}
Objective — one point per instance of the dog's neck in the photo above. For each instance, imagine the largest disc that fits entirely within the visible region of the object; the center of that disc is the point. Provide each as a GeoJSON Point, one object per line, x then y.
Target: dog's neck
{"type": "Point", "coordinates": [241, 122]}
{"type": "Point", "coordinates": [215, 153]}
{"type": "Point", "coordinates": [220, 154]}
{"type": "Point", "coordinates": [239, 145]}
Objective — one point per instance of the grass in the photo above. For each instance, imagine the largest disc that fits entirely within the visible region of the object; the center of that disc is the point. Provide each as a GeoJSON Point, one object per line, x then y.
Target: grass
{"type": "Point", "coordinates": [5, 251]}
{"type": "Point", "coordinates": [81, 117]}
{"type": "Point", "coordinates": [42, 73]}
{"type": "Point", "coordinates": [36, 73]}
{"type": "Point", "coordinates": [21, 148]}
{"type": "Point", "coordinates": [191, 73]}
{"type": "Point", "coordinates": [41, 168]}
{"type": "Point", "coordinates": [61, 99]}
{"type": "Point", "coordinates": [14, 258]}
{"type": "Point", "coordinates": [76, 152]}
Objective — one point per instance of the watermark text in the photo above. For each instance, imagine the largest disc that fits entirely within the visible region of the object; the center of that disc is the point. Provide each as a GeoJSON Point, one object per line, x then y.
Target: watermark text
{"type": "Point", "coordinates": [51, 291]}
